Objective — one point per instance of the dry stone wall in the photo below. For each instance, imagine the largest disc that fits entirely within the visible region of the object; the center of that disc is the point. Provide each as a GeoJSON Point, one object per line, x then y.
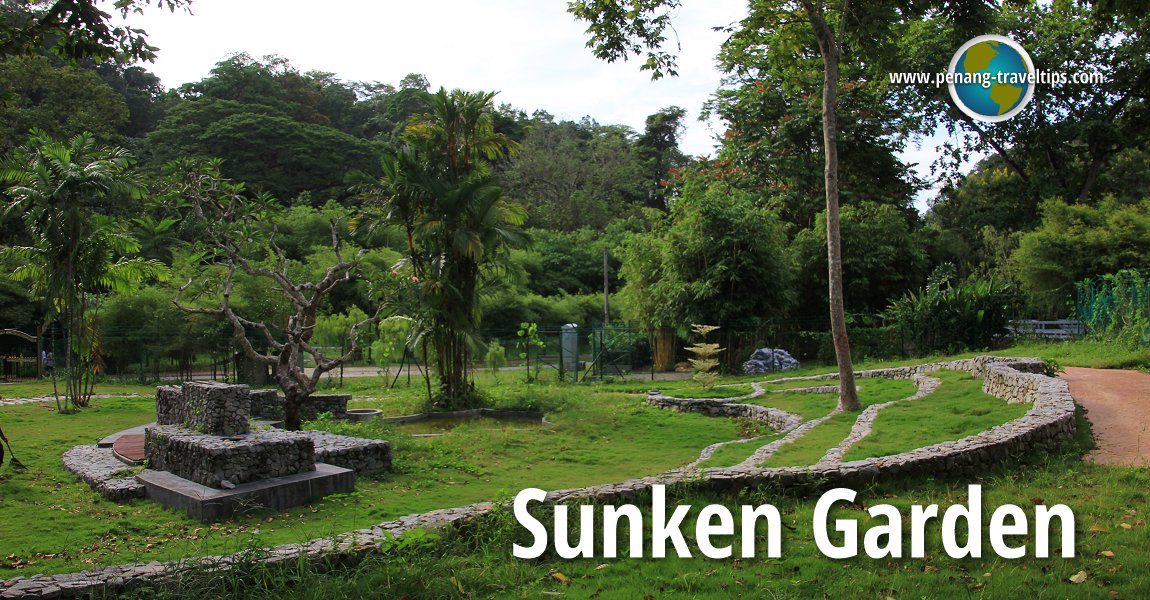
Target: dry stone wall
{"type": "Point", "coordinates": [1047, 424]}
{"type": "Point", "coordinates": [205, 406]}
{"type": "Point", "coordinates": [774, 418]}
{"type": "Point", "coordinates": [336, 404]}
{"type": "Point", "coordinates": [266, 404]}
{"type": "Point", "coordinates": [358, 454]}
{"type": "Point", "coordinates": [212, 460]}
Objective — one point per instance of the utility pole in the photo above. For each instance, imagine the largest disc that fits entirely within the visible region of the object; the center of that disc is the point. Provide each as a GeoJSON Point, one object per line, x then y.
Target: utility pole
{"type": "Point", "coordinates": [606, 290]}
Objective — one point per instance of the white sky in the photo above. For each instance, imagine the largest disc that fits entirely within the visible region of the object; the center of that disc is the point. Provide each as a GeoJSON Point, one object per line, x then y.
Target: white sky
{"type": "Point", "coordinates": [532, 51]}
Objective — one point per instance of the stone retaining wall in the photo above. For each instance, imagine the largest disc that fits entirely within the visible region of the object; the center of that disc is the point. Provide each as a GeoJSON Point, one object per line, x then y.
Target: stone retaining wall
{"type": "Point", "coordinates": [774, 418]}
{"type": "Point", "coordinates": [358, 454]}
{"type": "Point", "coordinates": [267, 404]}
{"type": "Point", "coordinates": [212, 460]}
{"type": "Point", "coordinates": [1047, 424]}
{"type": "Point", "coordinates": [205, 406]}
{"type": "Point", "coordinates": [336, 404]}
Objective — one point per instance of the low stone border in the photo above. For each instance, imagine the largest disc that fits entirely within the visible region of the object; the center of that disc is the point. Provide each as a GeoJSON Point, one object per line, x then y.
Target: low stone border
{"type": "Point", "coordinates": [818, 389]}
{"type": "Point", "coordinates": [776, 419]}
{"type": "Point", "coordinates": [865, 422]}
{"type": "Point", "coordinates": [100, 468]}
{"type": "Point", "coordinates": [1046, 425]}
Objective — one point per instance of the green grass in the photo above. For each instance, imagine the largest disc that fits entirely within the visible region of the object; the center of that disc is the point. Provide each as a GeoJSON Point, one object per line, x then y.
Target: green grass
{"type": "Point", "coordinates": [805, 405]}
{"type": "Point", "coordinates": [958, 408]}
{"type": "Point", "coordinates": [42, 387]}
{"type": "Point", "coordinates": [50, 522]}
{"type": "Point", "coordinates": [808, 449]}
{"type": "Point", "coordinates": [793, 385]}
{"type": "Point", "coordinates": [1084, 353]}
{"type": "Point", "coordinates": [712, 392]}
{"type": "Point", "coordinates": [477, 563]}
{"type": "Point", "coordinates": [733, 454]}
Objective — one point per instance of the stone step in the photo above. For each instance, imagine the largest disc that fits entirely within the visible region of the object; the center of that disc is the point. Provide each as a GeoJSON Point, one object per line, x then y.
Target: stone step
{"type": "Point", "coordinates": [277, 493]}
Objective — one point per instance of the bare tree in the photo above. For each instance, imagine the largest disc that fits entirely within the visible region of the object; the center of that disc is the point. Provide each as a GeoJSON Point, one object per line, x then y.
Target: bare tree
{"type": "Point", "coordinates": [230, 233]}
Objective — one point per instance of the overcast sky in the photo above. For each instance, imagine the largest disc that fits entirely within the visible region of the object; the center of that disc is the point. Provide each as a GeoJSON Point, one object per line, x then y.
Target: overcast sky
{"type": "Point", "coordinates": [532, 51]}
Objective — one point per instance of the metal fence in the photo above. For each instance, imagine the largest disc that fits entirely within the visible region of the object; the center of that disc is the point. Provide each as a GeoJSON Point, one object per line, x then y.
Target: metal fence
{"type": "Point", "coordinates": [571, 352]}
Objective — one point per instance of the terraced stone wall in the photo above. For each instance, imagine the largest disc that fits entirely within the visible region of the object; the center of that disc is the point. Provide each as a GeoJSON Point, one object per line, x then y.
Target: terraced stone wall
{"type": "Point", "coordinates": [211, 460]}
{"type": "Point", "coordinates": [205, 406]}
{"type": "Point", "coordinates": [267, 404]}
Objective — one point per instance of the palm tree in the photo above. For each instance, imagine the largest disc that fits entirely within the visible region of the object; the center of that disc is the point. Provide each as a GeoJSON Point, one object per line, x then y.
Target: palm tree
{"type": "Point", "coordinates": [470, 227]}
{"type": "Point", "coordinates": [63, 192]}
{"type": "Point", "coordinates": [458, 226]}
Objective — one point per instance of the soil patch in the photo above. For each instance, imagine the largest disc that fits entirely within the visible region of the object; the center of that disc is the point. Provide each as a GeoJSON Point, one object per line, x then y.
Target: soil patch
{"type": "Point", "coordinates": [1118, 405]}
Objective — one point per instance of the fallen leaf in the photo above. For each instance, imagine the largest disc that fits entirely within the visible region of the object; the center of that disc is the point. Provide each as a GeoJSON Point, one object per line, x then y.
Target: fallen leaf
{"type": "Point", "coordinates": [1079, 577]}
{"type": "Point", "coordinates": [459, 587]}
{"type": "Point", "coordinates": [1099, 529]}
{"type": "Point", "coordinates": [1107, 554]}
{"type": "Point", "coordinates": [1037, 500]}
{"type": "Point", "coordinates": [602, 566]}
{"type": "Point", "coordinates": [1113, 593]}
{"type": "Point", "coordinates": [1125, 526]}
{"type": "Point", "coordinates": [929, 569]}
{"type": "Point", "coordinates": [561, 578]}
{"type": "Point", "coordinates": [648, 597]}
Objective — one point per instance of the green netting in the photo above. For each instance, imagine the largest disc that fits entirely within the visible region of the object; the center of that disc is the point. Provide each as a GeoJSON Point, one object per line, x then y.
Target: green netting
{"type": "Point", "coordinates": [1116, 306]}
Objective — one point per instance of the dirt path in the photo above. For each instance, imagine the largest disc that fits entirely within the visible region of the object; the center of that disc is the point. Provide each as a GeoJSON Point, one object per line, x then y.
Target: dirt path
{"type": "Point", "coordinates": [1118, 402]}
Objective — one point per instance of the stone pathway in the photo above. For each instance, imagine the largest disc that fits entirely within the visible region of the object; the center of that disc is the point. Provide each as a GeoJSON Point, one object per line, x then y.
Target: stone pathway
{"type": "Point", "coordinates": [18, 401]}
{"type": "Point", "coordinates": [1118, 405]}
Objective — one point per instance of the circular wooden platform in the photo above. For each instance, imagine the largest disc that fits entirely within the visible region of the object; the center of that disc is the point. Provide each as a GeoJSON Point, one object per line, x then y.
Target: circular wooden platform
{"type": "Point", "coordinates": [129, 448]}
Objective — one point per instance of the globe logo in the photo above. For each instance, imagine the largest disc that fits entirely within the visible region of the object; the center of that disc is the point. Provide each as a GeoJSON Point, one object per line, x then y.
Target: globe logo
{"type": "Point", "coordinates": [991, 78]}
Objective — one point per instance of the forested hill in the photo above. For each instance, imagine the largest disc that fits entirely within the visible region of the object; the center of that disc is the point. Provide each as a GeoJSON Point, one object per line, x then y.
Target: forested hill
{"type": "Point", "coordinates": [736, 240]}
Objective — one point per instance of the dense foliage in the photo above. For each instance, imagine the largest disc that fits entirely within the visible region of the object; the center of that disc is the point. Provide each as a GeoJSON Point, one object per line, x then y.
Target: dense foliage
{"type": "Point", "coordinates": [737, 240]}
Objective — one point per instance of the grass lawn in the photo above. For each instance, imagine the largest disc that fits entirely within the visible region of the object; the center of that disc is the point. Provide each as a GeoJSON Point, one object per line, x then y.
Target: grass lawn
{"type": "Point", "coordinates": [806, 405]}
{"type": "Point", "coordinates": [1112, 551]}
{"type": "Point", "coordinates": [50, 522]}
{"type": "Point", "coordinates": [43, 388]}
{"type": "Point", "coordinates": [958, 408]}
{"type": "Point", "coordinates": [733, 454]}
{"type": "Point", "coordinates": [808, 449]}
{"type": "Point", "coordinates": [725, 391]}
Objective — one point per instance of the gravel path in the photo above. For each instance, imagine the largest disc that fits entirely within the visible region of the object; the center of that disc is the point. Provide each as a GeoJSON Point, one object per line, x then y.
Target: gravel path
{"type": "Point", "coordinates": [1118, 405]}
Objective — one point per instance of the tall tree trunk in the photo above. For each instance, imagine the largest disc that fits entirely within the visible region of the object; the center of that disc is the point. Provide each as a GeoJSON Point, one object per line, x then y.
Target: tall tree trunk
{"type": "Point", "coordinates": [829, 48]}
